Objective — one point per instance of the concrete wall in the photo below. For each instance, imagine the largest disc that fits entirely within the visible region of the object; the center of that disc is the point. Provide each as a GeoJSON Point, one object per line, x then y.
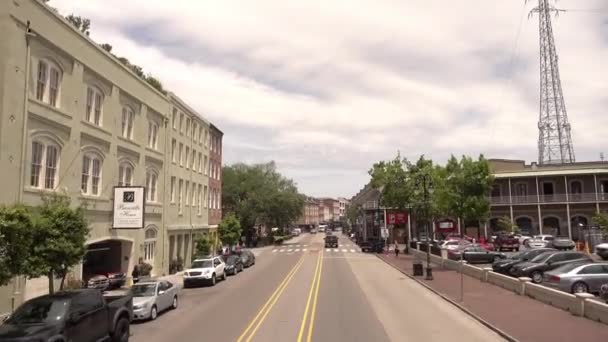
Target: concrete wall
{"type": "Point", "coordinates": [560, 299]}
{"type": "Point", "coordinates": [506, 282]}
{"type": "Point", "coordinates": [596, 311]}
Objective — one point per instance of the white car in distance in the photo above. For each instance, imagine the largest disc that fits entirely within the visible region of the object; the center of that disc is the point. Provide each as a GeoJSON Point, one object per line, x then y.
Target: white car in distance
{"type": "Point", "coordinates": [205, 271]}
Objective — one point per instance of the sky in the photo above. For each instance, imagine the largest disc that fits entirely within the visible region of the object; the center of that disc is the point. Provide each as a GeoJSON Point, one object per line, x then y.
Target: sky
{"type": "Point", "coordinates": [327, 88]}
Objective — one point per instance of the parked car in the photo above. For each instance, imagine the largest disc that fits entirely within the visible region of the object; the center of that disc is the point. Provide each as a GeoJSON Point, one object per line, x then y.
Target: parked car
{"type": "Point", "coordinates": [563, 243]}
{"type": "Point", "coordinates": [523, 239]}
{"type": "Point", "coordinates": [99, 282]}
{"type": "Point", "coordinates": [234, 264]}
{"type": "Point", "coordinates": [454, 244]}
{"type": "Point", "coordinates": [602, 250]}
{"type": "Point", "coordinates": [247, 258]}
{"type": "Point", "coordinates": [373, 246]}
{"type": "Point", "coordinates": [545, 262]}
{"type": "Point", "coordinates": [76, 315]}
{"type": "Point", "coordinates": [546, 238]}
{"type": "Point", "coordinates": [578, 278]}
{"type": "Point", "coordinates": [331, 241]}
{"type": "Point", "coordinates": [506, 241]}
{"type": "Point", "coordinates": [476, 255]}
{"type": "Point", "coordinates": [503, 266]}
{"type": "Point", "coordinates": [205, 271]}
{"type": "Point", "coordinates": [152, 297]}
{"type": "Point", "coordinates": [537, 243]}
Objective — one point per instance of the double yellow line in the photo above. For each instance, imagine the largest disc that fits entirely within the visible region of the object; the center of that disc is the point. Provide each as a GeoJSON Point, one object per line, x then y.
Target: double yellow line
{"type": "Point", "coordinates": [253, 327]}
{"type": "Point", "coordinates": [312, 298]}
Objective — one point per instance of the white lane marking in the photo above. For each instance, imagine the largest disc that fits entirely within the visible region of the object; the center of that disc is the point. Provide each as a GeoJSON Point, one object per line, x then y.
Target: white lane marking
{"type": "Point", "coordinates": [297, 249]}
{"type": "Point", "coordinates": [274, 250]}
{"type": "Point", "coordinates": [304, 250]}
{"type": "Point", "coordinates": [327, 249]}
{"type": "Point", "coordinates": [344, 250]}
{"type": "Point", "coordinates": [290, 250]}
{"type": "Point", "coordinates": [282, 250]}
{"type": "Point", "coordinates": [304, 245]}
{"type": "Point", "coordinates": [336, 250]}
{"type": "Point", "coordinates": [352, 251]}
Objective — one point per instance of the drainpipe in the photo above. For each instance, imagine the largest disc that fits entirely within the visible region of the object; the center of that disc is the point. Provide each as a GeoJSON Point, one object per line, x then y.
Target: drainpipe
{"type": "Point", "coordinates": [166, 202]}
{"type": "Point", "coordinates": [28, 34]}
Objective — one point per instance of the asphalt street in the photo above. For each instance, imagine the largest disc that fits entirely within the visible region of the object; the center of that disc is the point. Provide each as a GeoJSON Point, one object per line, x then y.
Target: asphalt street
{"type": "Point", "coordinates": [308, 293]}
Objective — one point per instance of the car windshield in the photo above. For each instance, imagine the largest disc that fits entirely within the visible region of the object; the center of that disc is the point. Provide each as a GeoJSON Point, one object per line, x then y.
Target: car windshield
{"type": "Point", "coordinates": [40, 310]}
{"type": "Point", "coordinates": [202, 264]}
{"type": "Point", "coordinates": [143, 290]}
{"type": "Point", "coordinates": [542, 257]}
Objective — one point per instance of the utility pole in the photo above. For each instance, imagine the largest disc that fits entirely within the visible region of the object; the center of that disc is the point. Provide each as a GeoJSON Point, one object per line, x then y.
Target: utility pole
{"type": "Point", "coordinates": [554, 139]}
{"type": "Point", "coordinates": [425, 186]}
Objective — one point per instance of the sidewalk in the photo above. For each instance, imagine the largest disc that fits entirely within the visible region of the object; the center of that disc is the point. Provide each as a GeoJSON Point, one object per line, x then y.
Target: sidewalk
{"type": "Point", "coordinates": [523, 318]}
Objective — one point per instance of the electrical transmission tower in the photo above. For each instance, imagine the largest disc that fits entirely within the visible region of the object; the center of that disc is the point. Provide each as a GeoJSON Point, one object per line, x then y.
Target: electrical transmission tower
{"type": "Point", "coordinates": [554, 140]}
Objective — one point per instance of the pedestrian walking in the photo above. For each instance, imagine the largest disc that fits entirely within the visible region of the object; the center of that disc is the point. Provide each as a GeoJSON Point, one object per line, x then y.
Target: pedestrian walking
{"type": "Point", "coordinates": [135, 274]}
{"type": "Point", "coordinates": [396, 249]}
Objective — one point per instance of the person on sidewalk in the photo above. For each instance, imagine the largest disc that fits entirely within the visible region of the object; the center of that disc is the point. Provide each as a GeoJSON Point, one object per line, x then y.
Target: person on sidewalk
{"type": "Point", "coordinates": [136, 273]}
{"type": "Point", "coordinates": [396, 249]}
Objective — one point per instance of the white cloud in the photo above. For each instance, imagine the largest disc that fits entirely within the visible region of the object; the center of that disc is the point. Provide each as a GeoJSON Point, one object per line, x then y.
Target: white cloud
{"type": "Point", "coordinates": [342, 84]}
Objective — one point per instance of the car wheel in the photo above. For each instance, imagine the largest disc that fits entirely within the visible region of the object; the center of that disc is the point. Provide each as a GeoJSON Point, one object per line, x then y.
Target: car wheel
{"type": "Point", "coordinates": [121, 331]}
{"type": "Point", "coordinates": [580, 287]}
{"type": "Point", "coordinates": [174, 306]}
{"type": "Point", "coordinates": [224, 275]}
{"type": "Point", "coordinates": [213, 280]}
{"type": "Point", "coordinates": [153, 313]}
{"type": "Point", "coordinates": [241, 268]}
{"type": "Point", "coordinates": [537, 277]}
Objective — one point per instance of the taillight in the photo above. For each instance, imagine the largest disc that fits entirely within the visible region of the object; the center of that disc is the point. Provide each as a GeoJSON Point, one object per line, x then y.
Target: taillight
{"type": "Point", "coordinates": [555, 279]}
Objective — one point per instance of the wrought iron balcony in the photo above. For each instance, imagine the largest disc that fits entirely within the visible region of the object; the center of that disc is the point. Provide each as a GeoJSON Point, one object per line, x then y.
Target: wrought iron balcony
{"type": "Point", "coordinates": [555, 198]}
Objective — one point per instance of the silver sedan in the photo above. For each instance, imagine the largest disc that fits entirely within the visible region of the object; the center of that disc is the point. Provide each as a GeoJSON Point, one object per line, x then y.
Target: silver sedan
{"type": "Point", "coordinates": [152, 297]}
{"type": "Point", "coordinates": [578, 277]}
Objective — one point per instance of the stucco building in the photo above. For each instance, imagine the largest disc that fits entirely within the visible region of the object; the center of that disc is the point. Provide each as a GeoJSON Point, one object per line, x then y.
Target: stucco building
{"type": "Point", "coordinates": [74, 119]}
{"type": "Point", "coordinates": [215, 176]}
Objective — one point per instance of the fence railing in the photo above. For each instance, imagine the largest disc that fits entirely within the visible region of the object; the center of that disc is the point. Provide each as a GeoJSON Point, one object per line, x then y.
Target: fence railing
{"type": "Point", "coordinates": [555, 198]}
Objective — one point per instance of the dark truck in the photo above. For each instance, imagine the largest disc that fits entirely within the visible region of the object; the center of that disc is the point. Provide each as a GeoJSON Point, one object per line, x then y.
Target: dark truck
{"type": "Point", "coordinates": [331, 241]}
{"type": "Point", "coordinates": [506, 241]}
{"type": "Point", "coordinates": [79, 315]}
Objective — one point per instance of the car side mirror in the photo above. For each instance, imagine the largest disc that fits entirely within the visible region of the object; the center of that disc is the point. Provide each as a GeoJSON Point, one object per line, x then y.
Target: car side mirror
{"type": "Point", "coordinates": [161, 292]}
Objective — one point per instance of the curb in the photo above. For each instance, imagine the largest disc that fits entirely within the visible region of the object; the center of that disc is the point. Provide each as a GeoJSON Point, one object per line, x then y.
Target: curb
{"type": "Point", "coordinates": [449, 300]}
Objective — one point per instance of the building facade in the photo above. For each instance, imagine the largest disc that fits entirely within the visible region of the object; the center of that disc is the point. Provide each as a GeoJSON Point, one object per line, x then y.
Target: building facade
{"type": "Point", "coordinates": [548, 199]}
{"type": "Point", "coordinates": [188, 155]}
{"type": "Point", "coordinates": [74, 119]}
{"type": "Point", "coordinates": [215, 176]}
{"type": "Point", "coordinates": [310, 214]}
{"type": "Point", "coordinates": [343, 205]}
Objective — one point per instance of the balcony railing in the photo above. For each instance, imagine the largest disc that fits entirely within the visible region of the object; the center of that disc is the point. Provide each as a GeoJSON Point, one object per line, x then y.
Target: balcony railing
{"type": "Point", "coordinates": [555, 198]}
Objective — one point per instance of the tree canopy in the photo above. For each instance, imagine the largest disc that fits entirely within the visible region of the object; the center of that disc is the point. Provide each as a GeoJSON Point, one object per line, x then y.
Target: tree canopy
{"type": "Point", "coordinates": [16, 240]}
{"type": "Point", "coordinates": [229, 230]}
{"type": "Point", "coordinates": [259, 194]}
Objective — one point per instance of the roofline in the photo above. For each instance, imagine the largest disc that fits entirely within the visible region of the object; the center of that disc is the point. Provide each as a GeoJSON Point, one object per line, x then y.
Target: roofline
{"type": "Point", "coordinates": [532, 173]}
{"type": "Point", "coordinates": [215, 128]}
{"type": "Point", "coordinates": [64, 21]}
{"type": "Point", "coordinates": [174, 98]}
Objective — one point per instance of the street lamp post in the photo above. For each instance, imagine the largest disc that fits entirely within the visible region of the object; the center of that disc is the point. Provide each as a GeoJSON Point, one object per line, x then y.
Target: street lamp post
{"type": "Point", "coordinates": [427, 187]}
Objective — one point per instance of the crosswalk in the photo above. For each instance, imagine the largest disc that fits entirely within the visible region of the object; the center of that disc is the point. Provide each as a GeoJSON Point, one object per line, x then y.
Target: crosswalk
{"type": "Point", "coordinates": [305, 248]}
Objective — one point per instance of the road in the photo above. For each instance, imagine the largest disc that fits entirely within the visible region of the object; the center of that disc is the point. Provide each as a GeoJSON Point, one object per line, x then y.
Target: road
{"type": "Point", "coordinates": [304, 292]}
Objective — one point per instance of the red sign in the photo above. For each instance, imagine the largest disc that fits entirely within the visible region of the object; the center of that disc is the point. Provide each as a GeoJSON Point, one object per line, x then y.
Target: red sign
{"type": "Point", "coordinates": [396, 218]}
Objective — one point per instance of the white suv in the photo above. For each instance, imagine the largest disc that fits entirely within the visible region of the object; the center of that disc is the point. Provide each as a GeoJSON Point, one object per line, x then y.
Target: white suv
{"type": "Point", "coordinates": [205, 270]}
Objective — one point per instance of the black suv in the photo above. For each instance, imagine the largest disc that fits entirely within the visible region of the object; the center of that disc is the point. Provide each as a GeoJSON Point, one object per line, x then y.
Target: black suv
{"type": "Point", "coordinates": [331, 241]}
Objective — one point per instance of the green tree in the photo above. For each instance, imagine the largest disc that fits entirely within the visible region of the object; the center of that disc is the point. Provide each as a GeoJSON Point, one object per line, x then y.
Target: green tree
{"type": "Point", "coordinates": [601, 219]}
{"type": "Point", "coordinates": [259, 194]}
{"type": "Point", "coordinates": [464, 193]}
{"type": "Point", "coordinates": [504, 224]}
{"type": "Point", "coordinates": [393, 179]}
{"type": "Point", "coordinates": [203, 247]}
{"type": "Point", "coordinates": [60, 236]}
{"type": "Point", "coordinates": [82, 24]}
{"type": "Point", "coordinates": [106, 47]}
{"type": "Point", "coordinates": [16, 240]}
{"type": "Point", "coordinates": [229, 230]}
{"type": "Point", "coordinates": [156, 83]}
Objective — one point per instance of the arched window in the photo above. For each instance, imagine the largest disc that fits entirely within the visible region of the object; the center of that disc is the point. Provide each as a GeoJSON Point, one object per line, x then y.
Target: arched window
{"type": "Point", "coordinates": [44, 169]}
{"type": "Point", "coordinates": [91, 174]}
{"type": "Point", "coordinates": [127, 122]}
{"type": "Point", "coordinates": [152, 135]}
{"type": "Point", "coordinates": [150, 244]}
{"type": "Point", "coordinates": [151, 184]}
{"type": "Point", "coordinates": [125, 174]}
{"type": "Point", "coordinates": [48, 81]}
{"type": "Point", "coordinates": [94, 107]}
